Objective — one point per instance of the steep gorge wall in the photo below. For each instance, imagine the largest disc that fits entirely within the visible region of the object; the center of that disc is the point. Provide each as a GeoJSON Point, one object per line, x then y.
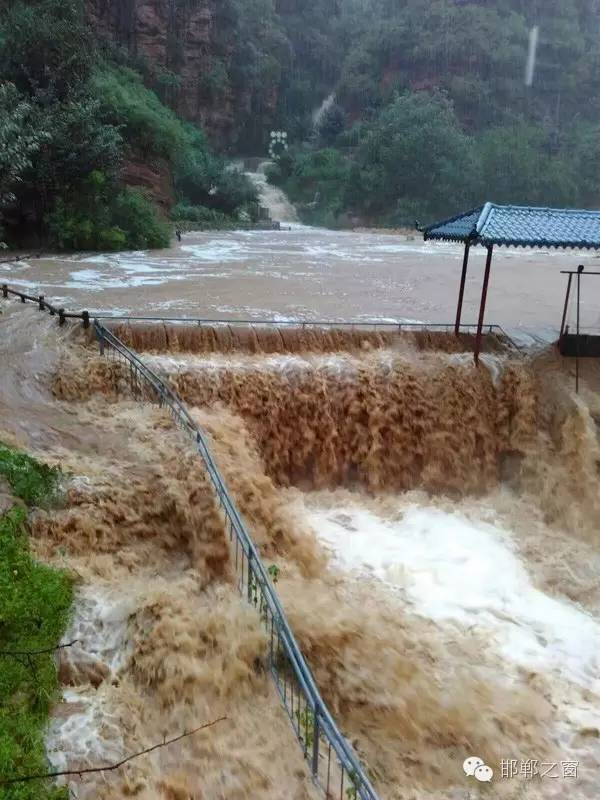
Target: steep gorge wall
{"type": "Point", "coordinates": [180, 43]}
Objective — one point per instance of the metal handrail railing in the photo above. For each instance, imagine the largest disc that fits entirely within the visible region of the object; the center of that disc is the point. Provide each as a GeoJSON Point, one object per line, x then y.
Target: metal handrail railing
{"type": "Point", "coordinates": [342, 777]}
{"type": "Point", "coordinates": [399, 327]}
{"type": "Point", "coordinates": [293, 322]}
{"type": "Point", "coordinates": [44, 305]}
{"type": "Point", "coordinates": [309, 323]}
{"type": "Point", "coordinates": [314, 726]}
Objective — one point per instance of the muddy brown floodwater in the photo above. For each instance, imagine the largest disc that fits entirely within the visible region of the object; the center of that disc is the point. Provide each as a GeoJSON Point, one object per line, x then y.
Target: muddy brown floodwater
{"type": "Point", "coordinates": [311, 273]}
{"type": "Point", "coordinates": [438, 565]}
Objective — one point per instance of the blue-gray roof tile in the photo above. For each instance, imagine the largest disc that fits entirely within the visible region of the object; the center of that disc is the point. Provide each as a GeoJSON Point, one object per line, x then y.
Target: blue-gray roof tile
{"type": "Point", "coordinates": [521, 226]}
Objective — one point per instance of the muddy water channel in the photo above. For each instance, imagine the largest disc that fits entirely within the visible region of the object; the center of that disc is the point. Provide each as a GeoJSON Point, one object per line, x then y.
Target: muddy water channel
{"type": "Point", "coordinates": [310, 273]}
{"type": "Point", "coordinates": [438, 565]}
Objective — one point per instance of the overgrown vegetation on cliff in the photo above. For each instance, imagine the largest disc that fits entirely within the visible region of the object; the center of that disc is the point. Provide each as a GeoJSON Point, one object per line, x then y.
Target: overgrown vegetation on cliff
{"type": "Point", "coordinates": [34, 607]}
{"type": "Point", "coordinates": [433, 112]}
{"type": "Point", "coordinates": [72, 122]}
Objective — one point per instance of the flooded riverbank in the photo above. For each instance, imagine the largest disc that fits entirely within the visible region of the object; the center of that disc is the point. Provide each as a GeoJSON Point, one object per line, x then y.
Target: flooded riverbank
{"type": "Point", "coordinates": [312, 274]}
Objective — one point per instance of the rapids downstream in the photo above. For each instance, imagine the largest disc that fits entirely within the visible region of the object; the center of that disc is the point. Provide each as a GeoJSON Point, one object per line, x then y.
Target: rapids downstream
{"type": "Point", "coordinates": [434, 525]}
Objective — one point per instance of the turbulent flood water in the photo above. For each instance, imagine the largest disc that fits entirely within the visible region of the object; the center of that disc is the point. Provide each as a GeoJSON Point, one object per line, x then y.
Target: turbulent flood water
{"type": "Point", "coordinates": [434, 524]}
{"type": "Point", "coordinates": [309, 273]}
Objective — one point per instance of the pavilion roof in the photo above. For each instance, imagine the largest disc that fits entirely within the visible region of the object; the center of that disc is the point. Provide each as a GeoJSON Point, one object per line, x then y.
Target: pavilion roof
{"type": "Point", "coordinates": [520, 226]}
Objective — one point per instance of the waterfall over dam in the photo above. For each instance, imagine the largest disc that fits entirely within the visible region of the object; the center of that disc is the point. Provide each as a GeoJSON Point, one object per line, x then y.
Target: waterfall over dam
{"type": "Point", "coordinates": [271, 197]}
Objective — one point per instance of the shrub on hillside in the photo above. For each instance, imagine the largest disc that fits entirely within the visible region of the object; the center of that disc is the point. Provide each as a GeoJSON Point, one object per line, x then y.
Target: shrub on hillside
{"type": "Point", "coordinates": [139, 220]}
{"type": "Point", "coordinates": [126, 220]}
{"type": "Point", "coordinates": [143, 120]}
{"type": "Point", "coordinates": [201, 216]}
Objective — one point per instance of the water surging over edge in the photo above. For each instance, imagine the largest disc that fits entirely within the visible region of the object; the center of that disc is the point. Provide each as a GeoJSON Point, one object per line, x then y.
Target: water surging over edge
{"type": "Point", "coordinates": [260, 339]}
{"type": "Point", "coordinates": [407, 721]}
{"type": "Point", "coordinates": [273, 198]}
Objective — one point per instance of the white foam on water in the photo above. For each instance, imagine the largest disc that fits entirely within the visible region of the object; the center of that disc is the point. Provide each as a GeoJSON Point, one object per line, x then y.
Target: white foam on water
{"type": "Point", "coordinates": [217, 250]}
{"type": "Point", "coordinates": [83, 730]}
{"type": "Point", "coordinates": [86, 276]}
{"type": "Point", "coordinates": [100, 625]}
{"type": "Point", "coordinates": [258, 314]}
{"type": "Point", "coordinates": [24, 284]}
{"type": "Point", "coordinates": [85, 733]}
{"type": "Point", "coordinates": [117, 283]}
{"type": "Point", "coordinates": [272, 197]}
{"type": "Point", "coordinates": [324, 250]}
{"type": "Point", "coordinates": [456, 571]}
{"type": "Point", "coordinates": [266, 363]}
{"type": "Point", "coordinates": [418, 247]}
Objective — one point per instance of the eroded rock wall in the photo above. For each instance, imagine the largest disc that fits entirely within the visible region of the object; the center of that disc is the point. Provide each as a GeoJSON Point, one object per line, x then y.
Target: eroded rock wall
{"type": "Point", "coordinates": [182, 47]}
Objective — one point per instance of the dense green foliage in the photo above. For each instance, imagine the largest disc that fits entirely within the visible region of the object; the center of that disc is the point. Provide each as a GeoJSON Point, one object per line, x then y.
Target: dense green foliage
{"type": "Point", "coordinates": [30, 480]}
{"type": "Point", "coordinates": [70, 119]}
{"type": "Point", "coordinates": [34, 609]}
{"type": "Point", "coordinates": [99, 219]}
{"type": "Point", "coordinates": [200, 217]}
{"type": "Point", "coordinates": [433, 113]}
{"type": "Point", "coordinates": [137, 113]}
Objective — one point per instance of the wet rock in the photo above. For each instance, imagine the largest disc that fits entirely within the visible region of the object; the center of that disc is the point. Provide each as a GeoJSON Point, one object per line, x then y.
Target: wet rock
{"type": "Point", "coordinates": [183, 40]}
{"type": "Point", "coordinates": [154, 178]}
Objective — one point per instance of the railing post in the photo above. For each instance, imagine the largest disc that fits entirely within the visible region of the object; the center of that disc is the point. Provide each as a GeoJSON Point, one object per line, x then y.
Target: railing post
{"type": "Point", "coordinates": [101, 342]}
{"type": "Point", "coordinates": [86, 319]}
{"type": "Point", "coordinates": [41, 304]}
{"type": "Point", "coordinates": [249, 576]}
{"type": "Point", "coordinates": [315, 752]}
{"type": "Point", "coordinates": [4, 290]}
{"type": "Point", "coordinates": [566, 308]}
{"type": "Point", "coordinates": [22, 296]}
{"type": "Point", "coordinates": [61, 316]}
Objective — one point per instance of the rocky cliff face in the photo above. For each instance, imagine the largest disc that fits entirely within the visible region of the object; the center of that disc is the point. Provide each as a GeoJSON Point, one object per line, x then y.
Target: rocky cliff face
{"type": "Point", "coordinates": [179, 43]}
{"type": "Point", "coordinates": [154, 178]}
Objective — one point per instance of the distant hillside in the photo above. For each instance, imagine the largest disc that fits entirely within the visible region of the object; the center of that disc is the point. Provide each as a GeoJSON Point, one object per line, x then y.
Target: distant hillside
{"type": "Point", "coordinates": [90, 157]}
{"type": "Point", "coordinates": [433, 111]}
{"type": "Point", "coordinates": [236, 67]}
{"type": "Point", "coordinates": [430, 112]}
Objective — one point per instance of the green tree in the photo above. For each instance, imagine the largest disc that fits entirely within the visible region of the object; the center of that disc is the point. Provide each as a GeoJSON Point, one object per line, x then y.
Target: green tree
{"type": "Point", "coordinates": [518, 165]}
{"type": "Point", "coordinates": [19, 140]}
{"type": "Point", "coordinates": [46, 50]}
{"type": "Point", "coordinates": [415, 152]}
{"type": "Point", "coordinates": [332, 124]}
{"type": "Point", "coordinates": [583, 145]}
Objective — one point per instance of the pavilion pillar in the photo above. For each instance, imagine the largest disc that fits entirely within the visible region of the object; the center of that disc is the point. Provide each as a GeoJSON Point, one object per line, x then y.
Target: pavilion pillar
{"type": "Point", "coordinates": [566, 308]}
{"type": "Point", "coordinates": [486, 279]}
{"type": "Point", "coordinates": [461, 292]}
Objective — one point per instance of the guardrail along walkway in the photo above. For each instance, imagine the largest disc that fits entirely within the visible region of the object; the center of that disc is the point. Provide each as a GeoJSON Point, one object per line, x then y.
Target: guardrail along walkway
{"type": "Point", "coordinates": [334, 765]}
